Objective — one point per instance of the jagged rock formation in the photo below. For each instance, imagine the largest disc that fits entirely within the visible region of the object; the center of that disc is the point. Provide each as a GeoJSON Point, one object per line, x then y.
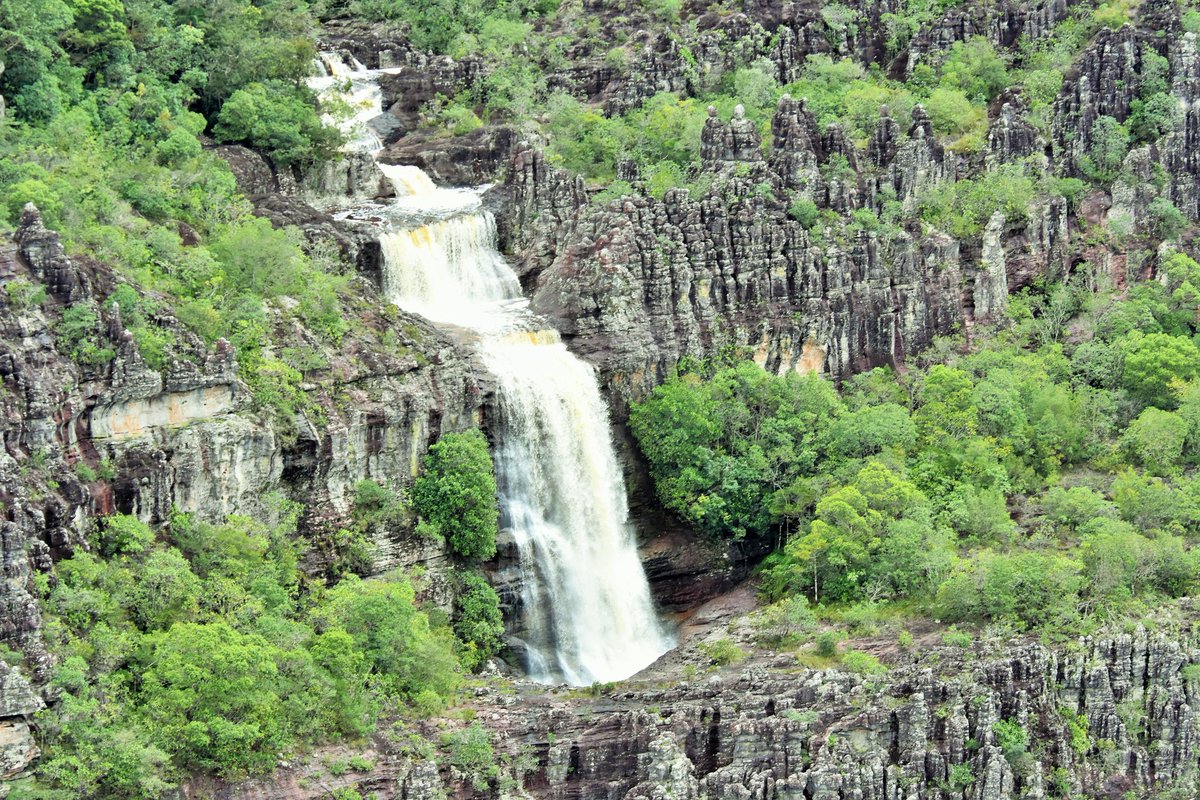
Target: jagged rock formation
{"type": "Point", "coordinates": [640, 283]}
{"type": "Point", "coordinates": [1101, 717]}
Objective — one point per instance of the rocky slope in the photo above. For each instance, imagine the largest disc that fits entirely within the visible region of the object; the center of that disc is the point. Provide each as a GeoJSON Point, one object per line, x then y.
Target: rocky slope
{"type": "Point", "coordinates": [1107, 717]}
{"type": "Point", "coordinates": [187, 438]}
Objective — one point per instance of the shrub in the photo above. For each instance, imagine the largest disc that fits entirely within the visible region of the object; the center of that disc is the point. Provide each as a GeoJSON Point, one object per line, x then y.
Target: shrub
{"type": "Point", "coordinates": [862, 663]}
{"type": "Point", "coordinates": [827, 643]}
{"type": "Point", "coordinates": [122, 534]}
{"type": "Point", "coordinates": [951, 111]}
{"type": "Point", "coordinates": [1153, 361]}
{"type": "Point", "coordinates": [456, 493]}
{"type": "Point", "coordinates": [404, 651]}
{"type": "Point", "coordinates": [965, 207]}
{"type": "Point", "coordinates": [79, 335]}
{"type": "Point", "coordinates": [470, 752]}
{"type": "Point", "coordinates": [957, 638]}
{"type": "Point", "coordinates": [976, 69]}
{"type": "Point", "coordinates": [722, 651]}
{"type": "Point", "coordinates": [478, 622]}
{"type": "Point", "coordinates": [375, 504]}
{"type": "Point", "coordinates": [1155, 440]}
{"type": "Point", "coordinates": [1011, 738]}
{"type": "Point", "coordinates": [1106, 152]}
{"type": "Point", "coordinates": [805, 212]}
{"type": "Point", "coordinates": [1166, 220]}
{"type": "Point", "coordinates": [25, 294]}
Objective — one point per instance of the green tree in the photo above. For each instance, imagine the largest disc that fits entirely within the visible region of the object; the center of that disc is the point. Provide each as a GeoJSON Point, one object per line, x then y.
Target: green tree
{"type": "Point", "coordinates": [279, 119]}
{"type": "Point", "coordinates": [1032, 588]}
{"type": "Point", "coordinates": [1155, 440]}
{"type": "Point", "coordinates": [975, 68]}
{"type": "Point", "coordinates": [1152, 362]}
{"type": "Point", "coordinates": [212, 697]}
{"type": "Point", "coordinates": [456, 494]}
{"type": "Point", "coordinates": [405, 653]}
{"type": "Point", "coordinates": [946, 410]}
{"type": "Point", "coordinates": [478, 622]}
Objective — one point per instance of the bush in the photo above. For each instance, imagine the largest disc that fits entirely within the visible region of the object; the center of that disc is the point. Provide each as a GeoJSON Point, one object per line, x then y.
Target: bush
{"type": "Point", "coordinates": [965, 207]}
{"type": "Point", "coordinates": [1028, 587]}
{"type": "Point", "coordinates": [1155, 441]}
{"type": "Point", "coordinates": [375, 504]}
{"type": "Point", "coordinates": [1166, 220]}
{"type": "Point", "coordinates": [456, 494]}
{"type": "Point", "coordinates": [79, 335]}
{"type": "Point", "coordinates": [1107, 149]}
{"type": "Point", "coordinates": [478, 622]}
{"type": "Point", "coordinates": [1011, 738]}
{"type": "Point", "coordinates": [805, 212]}
{"type": "Point", "coordinates": [976, 69]}
{"type": "Point", "coordinates": [122, 534]}
{"type": "Point", "coordinates": [862, 663]}
{"type": "Point", "coordinates": [404, 651]}
{"type": "Point", "coordinates": [951, 111]}
{"type": "Point", "coordinates": [1152, 362]}
{"type": "Point", "coordinates": [827, 643]}
{"type": "Point", "coordinates": [214, 698]}
{"type": "Point", "coordinates": [722, 652]}
{"type": "Point", "coordinates": [470, 752]}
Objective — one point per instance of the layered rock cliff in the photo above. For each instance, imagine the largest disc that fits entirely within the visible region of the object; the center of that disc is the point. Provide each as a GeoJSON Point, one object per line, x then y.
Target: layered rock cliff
{"type": "Point", "coordinates": [1105, 717]}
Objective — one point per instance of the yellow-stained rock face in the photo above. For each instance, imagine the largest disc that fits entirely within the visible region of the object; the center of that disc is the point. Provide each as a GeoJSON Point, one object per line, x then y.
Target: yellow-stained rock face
{"type": "Point", "coordinates": [812, 358]}
{"type": "Point", "coordinates": [138, 417]}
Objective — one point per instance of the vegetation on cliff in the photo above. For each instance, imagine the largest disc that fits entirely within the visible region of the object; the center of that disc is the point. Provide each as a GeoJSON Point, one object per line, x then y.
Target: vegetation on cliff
{"type": "Point", "coordinates": [1043, 475]}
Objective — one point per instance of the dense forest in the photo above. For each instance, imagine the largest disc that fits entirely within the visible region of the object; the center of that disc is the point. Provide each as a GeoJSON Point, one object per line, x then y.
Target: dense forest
{"type": "Point", "coordinates": [1031, 476]}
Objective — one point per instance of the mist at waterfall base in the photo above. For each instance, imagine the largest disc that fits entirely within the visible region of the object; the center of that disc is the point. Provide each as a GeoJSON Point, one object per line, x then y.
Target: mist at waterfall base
{"type": "Point", "coordinates": [587, 615]}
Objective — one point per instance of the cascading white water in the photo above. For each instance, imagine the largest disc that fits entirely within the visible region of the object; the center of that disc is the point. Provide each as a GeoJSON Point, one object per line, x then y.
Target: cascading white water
{"type": "Point", "coordinates": [587, 609]}
{"type": "Point", "coordinates": [449, 271]}
{"type": "Point", "coordinates": [356, 90]}
{"type": "Point", "coordinates": [586, 606]}
{"type": "Point", "coordinates": [587, 612]}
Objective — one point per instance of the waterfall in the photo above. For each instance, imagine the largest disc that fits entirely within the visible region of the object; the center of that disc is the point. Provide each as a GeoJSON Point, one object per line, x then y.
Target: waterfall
{"type": "Point", "coordinates": [448, 271]}
{"type": "Point", "coordinates": [586, 609]}
{"type": "Point", "coordinates": [588, 613]}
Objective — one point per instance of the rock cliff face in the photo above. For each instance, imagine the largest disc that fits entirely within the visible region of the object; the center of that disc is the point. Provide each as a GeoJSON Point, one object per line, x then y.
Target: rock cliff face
{"type": "Point", "coordinates": [185, 438]}
{"type": "Point", "coordinates": [1102, 718]}
{"type": "Point", "coordinates": [639, 283]}
{"type": "Point", "coordinates": [1096, 718]}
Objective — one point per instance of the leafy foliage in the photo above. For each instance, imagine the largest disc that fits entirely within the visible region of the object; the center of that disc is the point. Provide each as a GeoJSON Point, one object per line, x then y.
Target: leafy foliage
{"type": "Point", "coordinates": [201, 652]}
{"type": "Point", "coordinates": [456, 494]}
{"type": "Point", "coordinates": [1019, 482]}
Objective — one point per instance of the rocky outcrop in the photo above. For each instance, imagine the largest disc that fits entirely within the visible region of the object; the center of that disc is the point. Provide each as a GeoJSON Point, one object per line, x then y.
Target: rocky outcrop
{"type": "Point", "coordinates": [18, 702]}
{"type": "Point", "coordinates": [729, 142]}
{"type": "Point", "coordinates": [1011, 138]}
{"type": "Point", "coordinates": [472, 159]}
{"type": "Point", "coordinates": [637, 284]}
{"type": "Point", "coordinates": [1111, 716]}
{"type": "Point", "coordinates": [187, 438]}
{"type": "Point", "coordinates": [1101, 717]}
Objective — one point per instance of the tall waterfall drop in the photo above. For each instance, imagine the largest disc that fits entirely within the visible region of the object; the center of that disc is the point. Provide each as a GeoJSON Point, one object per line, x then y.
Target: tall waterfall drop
{"type": "Point", "coordinates": [587, 614]}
